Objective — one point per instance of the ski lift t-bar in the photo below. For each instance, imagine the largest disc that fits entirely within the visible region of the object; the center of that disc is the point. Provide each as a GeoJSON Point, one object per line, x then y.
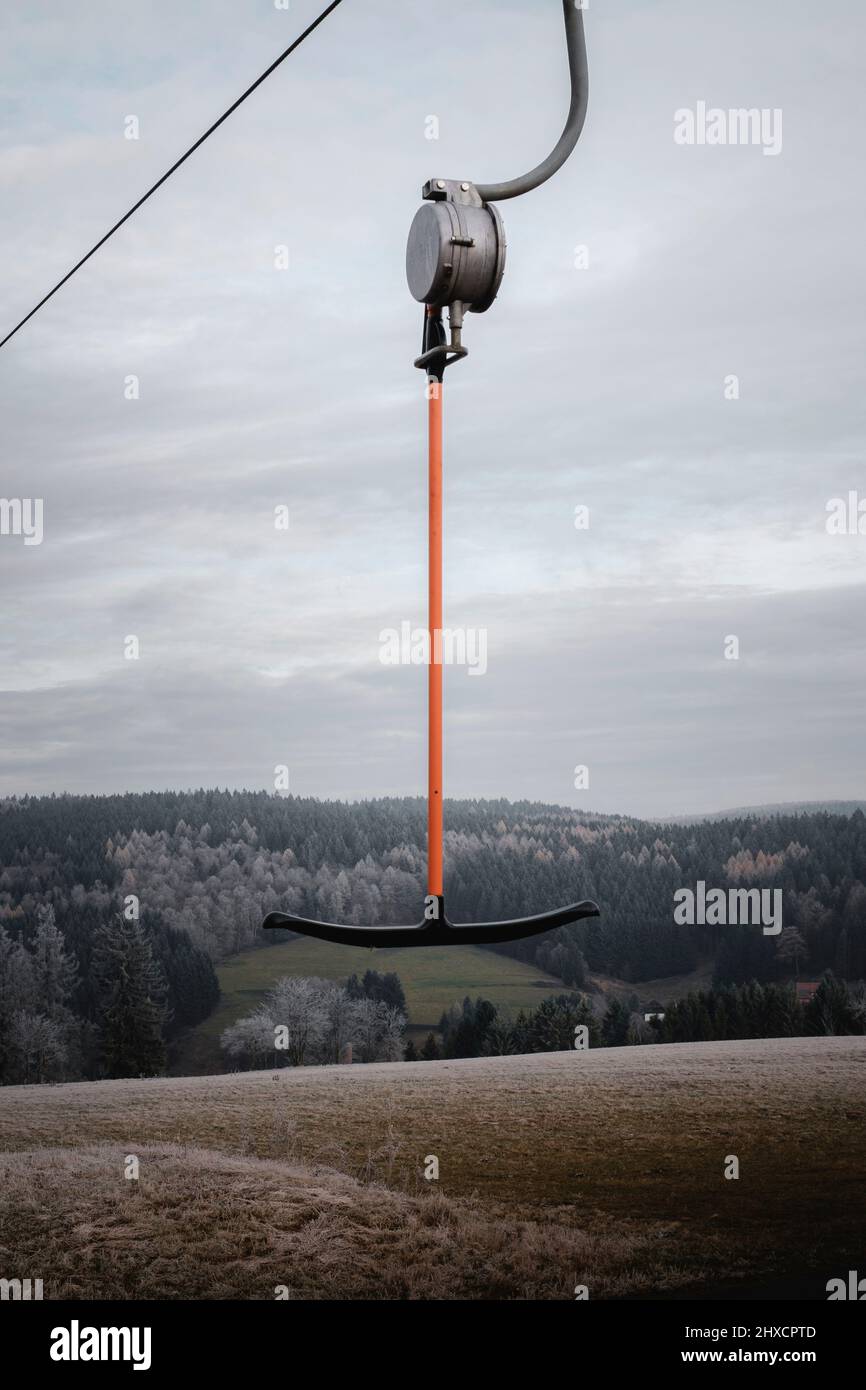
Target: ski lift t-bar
{"type": "Point", "coordinates": [456, 259]}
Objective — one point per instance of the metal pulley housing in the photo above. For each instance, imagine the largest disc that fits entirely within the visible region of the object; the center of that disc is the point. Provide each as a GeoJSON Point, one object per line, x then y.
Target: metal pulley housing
{"type": "Point", "coordinates": [456, 248]}
{"type": "Point", "coordinates": [455, 258]}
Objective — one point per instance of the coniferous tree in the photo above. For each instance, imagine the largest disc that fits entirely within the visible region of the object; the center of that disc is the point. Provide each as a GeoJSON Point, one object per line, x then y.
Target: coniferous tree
{"type": "Point", "coordinates": [55, 971]}
{"type": "Point", "coordinates": [614, 1025]}
{"type": "Point", "coordinates": [552, 1026]}
{"type": "Point", "coordinates": [132, 1000]}
{"type": "Point", "coordinates": [55, 1039]}
{"type": "Point", "coordinates": [430, 1051]}
{"type": "Point", "coordinates": [834, 1011]}
{"type": "Point", "coordinates": [17, 996]}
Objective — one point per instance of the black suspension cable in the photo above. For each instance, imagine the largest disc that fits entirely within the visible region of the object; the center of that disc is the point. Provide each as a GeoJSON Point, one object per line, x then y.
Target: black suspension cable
{"type": "Point", "coordinates": [168, 173]}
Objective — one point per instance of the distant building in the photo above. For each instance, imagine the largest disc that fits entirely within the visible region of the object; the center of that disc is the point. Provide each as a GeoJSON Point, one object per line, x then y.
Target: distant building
{"type": "Point", "coordinates": [806, 990]}
{"type": "Point", "coordinates": [654, 1009]}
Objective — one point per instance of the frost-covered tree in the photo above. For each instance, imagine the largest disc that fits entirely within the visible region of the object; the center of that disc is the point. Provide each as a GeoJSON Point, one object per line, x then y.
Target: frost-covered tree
{"type": "Point", "coordinates": [55, 972]}
{"type": "Point", "coordinates": [251, 1041]}
{"type": "Point", "coordinates": [338, 1032]}
{"type": "Point", "coordinates": [378, 1031]}
{"type": "Point", "coordinates": [37, 1047]}
{"type": "Point", "coordinates": [297, 1007]}
{"type": "Point", "coordinates": [304, 1021]}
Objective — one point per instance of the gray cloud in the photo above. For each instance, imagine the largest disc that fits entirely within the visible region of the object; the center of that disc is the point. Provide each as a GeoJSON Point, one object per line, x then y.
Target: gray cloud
{"type": "Point", "coordinates": [601, 387]}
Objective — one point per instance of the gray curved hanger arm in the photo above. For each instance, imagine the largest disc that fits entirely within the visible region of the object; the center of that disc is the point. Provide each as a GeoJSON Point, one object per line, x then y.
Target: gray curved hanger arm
{"type": "Point", "coordinates": [495, 192]}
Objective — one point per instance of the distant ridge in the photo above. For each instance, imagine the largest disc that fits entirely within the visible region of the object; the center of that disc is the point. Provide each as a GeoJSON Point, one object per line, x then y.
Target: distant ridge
{"type": "Point", "coordinates": [778, 808]}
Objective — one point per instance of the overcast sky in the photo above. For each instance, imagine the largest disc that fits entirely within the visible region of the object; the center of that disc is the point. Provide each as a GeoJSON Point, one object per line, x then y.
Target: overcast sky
{"type": "Point", "coordinates": [602, 387]}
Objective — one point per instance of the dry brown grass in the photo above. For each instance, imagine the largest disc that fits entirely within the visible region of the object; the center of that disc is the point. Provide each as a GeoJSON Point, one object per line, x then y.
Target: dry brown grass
{"type": "Point", "coordinates": [617, 1155]}
{"type": "Point", "coordinates": [203, 1225]}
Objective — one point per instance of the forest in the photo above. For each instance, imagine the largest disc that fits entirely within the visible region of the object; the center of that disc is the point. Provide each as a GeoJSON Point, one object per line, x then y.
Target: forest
{"type": "Point", "coordinates": [478, 1029]}
{"type": "Point", "coordinates": [148, 892]}
{"type": "Point", "coordinates": [306, 1022]}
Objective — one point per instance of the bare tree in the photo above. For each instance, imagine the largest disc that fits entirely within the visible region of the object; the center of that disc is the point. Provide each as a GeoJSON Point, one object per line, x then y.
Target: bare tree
{"type": "Point", "coordinates": [340, 1023]}
{"type": "Point", "coordinates": [312, 1020]}
{"type": "Point", "coordinates": [298, 1009]}
{"type": "Point", "coordinates": [251, 1040]}
{"type": "Point", "coordinates": [37, 1046]}
{"type": "Point", "coordinates": [379, 1031]}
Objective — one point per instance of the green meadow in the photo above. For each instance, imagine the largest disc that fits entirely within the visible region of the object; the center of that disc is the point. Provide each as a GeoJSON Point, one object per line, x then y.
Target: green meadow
{"type": "Point", "coordinates": [433, 978]}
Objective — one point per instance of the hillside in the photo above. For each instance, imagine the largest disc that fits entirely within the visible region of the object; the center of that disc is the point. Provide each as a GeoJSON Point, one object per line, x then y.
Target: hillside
{"type": "Point", "coordinates": [163, 888]}
{"type": "Point", "coordinates": [771, 809]}
{"type": "Point", "coordinates": [604, 1168]}
{"type": "Point", "coordinates": [211, 863]}
{"type": "Point", "coordinates": [432, 979]}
